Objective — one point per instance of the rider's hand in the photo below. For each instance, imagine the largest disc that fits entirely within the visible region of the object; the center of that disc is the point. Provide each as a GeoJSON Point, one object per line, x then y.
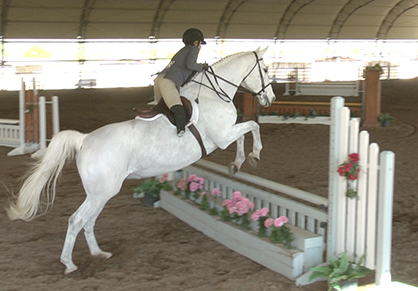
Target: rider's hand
{"type": "Point", "coordinates": [205, 67]}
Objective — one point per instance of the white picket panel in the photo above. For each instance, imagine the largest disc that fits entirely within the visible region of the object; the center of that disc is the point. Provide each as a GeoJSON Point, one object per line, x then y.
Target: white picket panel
{"type": "Point", "coordinates": [362, 193]}
{"type": "Point", "coordinates": [371, 209]}
{"type": "Point", "coordinates": [351, 203]}
{"type": "Point", "coordinates": [364, 224]}
{"type": "Point", "coordinates": [342, 187]}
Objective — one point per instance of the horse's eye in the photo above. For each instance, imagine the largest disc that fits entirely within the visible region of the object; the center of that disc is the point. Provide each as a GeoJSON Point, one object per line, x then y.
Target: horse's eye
{"type": "Point", "coordinates": [266, 70]}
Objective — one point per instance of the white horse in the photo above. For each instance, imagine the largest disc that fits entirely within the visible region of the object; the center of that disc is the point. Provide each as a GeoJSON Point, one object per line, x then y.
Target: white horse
{"type": "Point", "coordinates": [137, 149]}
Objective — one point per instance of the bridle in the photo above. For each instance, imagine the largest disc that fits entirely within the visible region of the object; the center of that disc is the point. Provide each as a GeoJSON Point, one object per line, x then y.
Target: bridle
{"type": "Point", "coordinates": [221, 93]}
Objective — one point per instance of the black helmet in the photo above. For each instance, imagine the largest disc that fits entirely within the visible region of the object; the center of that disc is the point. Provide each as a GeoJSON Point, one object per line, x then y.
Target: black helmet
{"type": "Point", "coordinates": [191, 35]}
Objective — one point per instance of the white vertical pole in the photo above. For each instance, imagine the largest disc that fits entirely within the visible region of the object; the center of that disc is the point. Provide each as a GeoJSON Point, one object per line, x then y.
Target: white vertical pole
{"type": "Point", "coordinates": [352, 203]}
{"type": "Point", "coordinates": [362, 193]}
{"type": "Point", "coordinates": [22, 116]}
{"type": "Point", "coordinates": [35, 92]}
{"type": "Point", "coordinates": [384, 234]}
{"type": "Point", "coordinates": [42, 123]}
{"type": "Point", "coordinates": [55, 115]}
{"type": "Point", "coordinates": [372, 206]}
{"type": "Point", "coordinates": [342, 186]}
{"type": "Point", "coordinates": [333, 180]}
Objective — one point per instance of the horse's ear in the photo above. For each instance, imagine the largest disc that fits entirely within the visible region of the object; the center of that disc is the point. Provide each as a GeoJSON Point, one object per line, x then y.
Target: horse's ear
{"type": "Point", "coordinates": [262, 52]}
{"type": "Point", "coordinates": [257, 50]}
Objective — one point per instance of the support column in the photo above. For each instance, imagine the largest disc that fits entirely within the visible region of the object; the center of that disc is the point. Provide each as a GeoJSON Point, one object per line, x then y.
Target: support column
{"type": "Point", "coordinates": [372, 98]}
{"type": "Point", "coordinates": [249, 106]}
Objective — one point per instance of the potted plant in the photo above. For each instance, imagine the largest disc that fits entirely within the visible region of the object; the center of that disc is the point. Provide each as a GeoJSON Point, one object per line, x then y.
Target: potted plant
{"type": "Point", "coordinates": [151, 188]}
{"type": "Point", "coordinates": [385, 119]}
{"type": "Point", "coordinates": [341, 274]}
{"type": "Point", "coordinates": [239, 115]}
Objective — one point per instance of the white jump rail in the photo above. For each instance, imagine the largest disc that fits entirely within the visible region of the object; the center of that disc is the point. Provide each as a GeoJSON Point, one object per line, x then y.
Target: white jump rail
{"type": "Point", "coordinates": [325, 89]}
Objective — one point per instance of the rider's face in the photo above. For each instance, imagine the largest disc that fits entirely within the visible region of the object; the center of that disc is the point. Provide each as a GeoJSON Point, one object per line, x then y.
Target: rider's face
{"type": "Point", "coordinates": [198, 44]}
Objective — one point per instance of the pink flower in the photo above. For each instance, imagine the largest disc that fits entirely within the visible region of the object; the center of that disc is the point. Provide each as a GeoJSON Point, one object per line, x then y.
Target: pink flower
{"type": "Point", "coordinates": [269, 222]}
{"type": "Point", "coordinates": [225, 202]}
{"type": "Point", "coordinates": [278, 222]}
{"type": "Point", "coordinates": [163, 178]}
{"type": "Point", "coordinates": [216, 192]}
{"type": "Point", "coordinates": [232, 209]}
{"type": "Point", "coordinates": [193, 186]}
{"type": "Point", "coordinates": [192, 178]}
{"type": "Point", "coordinates": [237, 196]}
{"type": "Point", "coordinates": [259, 213]}
{"type": "Point", "coordinates": [182, 184]}
{"type": "Point", "coordinates": [263, 211]}
{"type": "Point", "coordinates": [255, 216]}
{"type": "Point", "coordinates": [242, 208]}
{"type": "Point", "coordinates": [203, 194]}
{"type": "Point", "coordinates": [200, 180]}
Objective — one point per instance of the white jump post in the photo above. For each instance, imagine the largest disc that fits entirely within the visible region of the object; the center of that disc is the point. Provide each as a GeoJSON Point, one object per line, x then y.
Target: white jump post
{"type": "Point", "coordinates": [43, 123]}
{"type": "Point", "coordinates": [12, 132]}
{"type": "Point", "coordinates": [360, 227]}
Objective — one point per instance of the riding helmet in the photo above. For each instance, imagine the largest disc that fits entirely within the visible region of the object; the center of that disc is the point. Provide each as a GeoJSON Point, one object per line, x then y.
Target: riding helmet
{"type": "Point", "coordinates": [191, 35]}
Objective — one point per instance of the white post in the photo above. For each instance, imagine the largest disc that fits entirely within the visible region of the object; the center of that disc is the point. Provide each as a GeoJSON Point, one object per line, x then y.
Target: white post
{"type": "Point", "coordinates": [384, 226]}
{"type": "Point", "coordinates": [336, 104]}
{"type": "Point", "coordinates": [22, 116]}
{"type": "Point", "coordinates": [42, 123]}
{"type": "Point", "coordinates": [55, 115]}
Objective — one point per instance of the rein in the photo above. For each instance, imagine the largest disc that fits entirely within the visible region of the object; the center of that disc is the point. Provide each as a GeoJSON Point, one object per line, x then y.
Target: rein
{"type": "Point", "coordinates": [222, 94]}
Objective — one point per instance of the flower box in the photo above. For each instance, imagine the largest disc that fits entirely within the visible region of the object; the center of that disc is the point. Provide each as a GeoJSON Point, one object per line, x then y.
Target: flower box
{"type": "Point", "coordinates": [276, 119]}
{"type": "Point", "coordinates": [291, 263]}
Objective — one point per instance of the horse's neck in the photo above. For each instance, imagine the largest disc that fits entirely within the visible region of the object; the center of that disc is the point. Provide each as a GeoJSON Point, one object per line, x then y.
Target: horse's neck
{"type": "Point", "coordinates": [233, 68]}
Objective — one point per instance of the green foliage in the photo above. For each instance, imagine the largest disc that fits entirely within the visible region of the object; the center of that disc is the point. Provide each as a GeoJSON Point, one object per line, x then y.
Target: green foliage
{"type": "Point", "coordinates": [205, 203]}
{"type": "Point", "coordinates": [37, 52]}
{"type": "Point", "coordinates": [385, 116]}
{"type": "Point", "coordinates": [338, 270]}
{"type": "Point", "coordinates": [283, 235]}
{"type": "Point", "coordinates": [151, 186]}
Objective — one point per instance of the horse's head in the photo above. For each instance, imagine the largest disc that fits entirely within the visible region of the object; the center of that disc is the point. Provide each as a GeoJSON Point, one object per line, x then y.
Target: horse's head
{"type": "Point", "coordinates": [257, 80]}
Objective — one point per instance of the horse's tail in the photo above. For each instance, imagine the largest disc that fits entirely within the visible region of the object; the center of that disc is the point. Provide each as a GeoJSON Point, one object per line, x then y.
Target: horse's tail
{"type": "Point", "coordinates": [43, 176]}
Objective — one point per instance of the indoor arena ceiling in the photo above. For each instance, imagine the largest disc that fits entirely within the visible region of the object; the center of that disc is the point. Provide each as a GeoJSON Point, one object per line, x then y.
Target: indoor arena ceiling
{"type": "Point", "coordinates": [256, 19]}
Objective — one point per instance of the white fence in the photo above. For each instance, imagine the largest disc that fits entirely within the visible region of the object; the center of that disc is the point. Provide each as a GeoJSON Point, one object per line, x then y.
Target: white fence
{"type": "Point", "coordinates": [363, 226]}
{"type": "Point", "coordinates": [324, 89]}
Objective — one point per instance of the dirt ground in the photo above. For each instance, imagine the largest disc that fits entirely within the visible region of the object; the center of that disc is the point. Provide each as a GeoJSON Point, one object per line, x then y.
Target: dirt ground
{"type": "Point", "coordinates": [152, 250]}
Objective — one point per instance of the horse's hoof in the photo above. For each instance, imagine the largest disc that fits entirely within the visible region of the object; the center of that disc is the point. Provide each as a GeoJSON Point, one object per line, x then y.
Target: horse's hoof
{"type": "Point", "coordinates": [72, 273]}
{"type": "Point", "coordinates": [105, 255]}
{"type": "Point", "coordinates": [232, 169]}
{"type": "Point", "coordinates": [253, 160]}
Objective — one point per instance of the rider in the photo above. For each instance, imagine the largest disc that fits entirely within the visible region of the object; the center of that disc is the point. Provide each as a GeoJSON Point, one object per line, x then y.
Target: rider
{"type": "Point", "coordinates": [167, 84]}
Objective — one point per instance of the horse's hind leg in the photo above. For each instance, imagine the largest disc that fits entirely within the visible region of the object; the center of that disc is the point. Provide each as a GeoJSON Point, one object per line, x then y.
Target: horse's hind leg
{"type": "Point", "coordinates": [85, 216]}
{"type": "Point", "coordinates": [91, 239]}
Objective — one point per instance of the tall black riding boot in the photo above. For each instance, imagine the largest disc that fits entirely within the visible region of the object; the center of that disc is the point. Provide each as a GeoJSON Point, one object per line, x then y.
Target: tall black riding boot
{"type": "Point", "coordinates": [180, 117]}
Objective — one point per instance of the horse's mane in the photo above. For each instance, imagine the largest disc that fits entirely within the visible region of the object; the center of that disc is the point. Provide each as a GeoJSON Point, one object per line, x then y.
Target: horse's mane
{"type": "Point", "coordinates": [217, 63]}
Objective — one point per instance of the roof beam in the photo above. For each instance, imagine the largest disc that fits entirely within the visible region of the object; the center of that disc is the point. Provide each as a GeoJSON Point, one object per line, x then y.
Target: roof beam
{"type": "Point", "coordinates": [85, 18]}
{"type": "Point", "coordinates": [396, 11]}
{"type": "Point", "coordinates": [291, 10]}
{"type": "Point", "coordinates": [159, 17]}
{"type": "Point", "coordinates": [349, 8]}
{"type": "Point", "coordinates": [227, 15]}
{"type": "Point", "coordinates": [4, 17]}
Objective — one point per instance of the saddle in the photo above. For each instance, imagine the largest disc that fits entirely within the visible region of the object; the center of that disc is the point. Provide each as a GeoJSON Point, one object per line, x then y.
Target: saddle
{"type": "Point", "coordinates": [161, 108]}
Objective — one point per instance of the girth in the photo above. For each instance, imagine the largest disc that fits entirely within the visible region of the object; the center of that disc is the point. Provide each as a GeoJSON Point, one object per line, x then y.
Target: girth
{"type": "Point", "coordinates": [161, 108]}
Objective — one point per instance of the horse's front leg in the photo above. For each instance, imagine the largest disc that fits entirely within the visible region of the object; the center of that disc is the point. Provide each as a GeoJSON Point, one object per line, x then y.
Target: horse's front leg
{"type": "Point", "coordinates": [237, 133]}
{"type": "Point", "coordinates": [234, 166]}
